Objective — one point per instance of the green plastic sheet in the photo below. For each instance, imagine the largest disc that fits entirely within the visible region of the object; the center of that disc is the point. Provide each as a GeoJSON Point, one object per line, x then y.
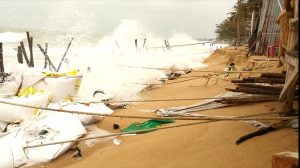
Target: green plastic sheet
{"type": "Point", "coordinates": [149, 124]}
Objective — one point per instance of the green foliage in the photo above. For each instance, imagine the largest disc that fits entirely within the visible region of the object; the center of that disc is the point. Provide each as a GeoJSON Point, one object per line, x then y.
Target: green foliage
{"type": "Point", "coordinates": [239, 18]}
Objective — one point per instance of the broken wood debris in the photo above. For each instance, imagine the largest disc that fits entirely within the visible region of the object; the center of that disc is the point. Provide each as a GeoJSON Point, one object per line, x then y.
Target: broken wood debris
{"type": "Point", "coordinates": [260, 80]}
{"type": "Point", "coordinates": [266, 84]}
{"type": "Point", "coordinates": [265, 130]}
{"type": "Point", "coordinates": [46, 56]}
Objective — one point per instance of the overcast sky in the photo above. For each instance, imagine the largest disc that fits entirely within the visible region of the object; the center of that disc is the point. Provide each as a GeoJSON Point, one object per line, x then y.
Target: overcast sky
{"type": "Point", "coordinates": [197, 18]}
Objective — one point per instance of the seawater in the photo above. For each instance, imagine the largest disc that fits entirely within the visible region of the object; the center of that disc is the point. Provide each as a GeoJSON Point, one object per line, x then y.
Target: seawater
{"type": "Point", "coordinates": [106, 62]}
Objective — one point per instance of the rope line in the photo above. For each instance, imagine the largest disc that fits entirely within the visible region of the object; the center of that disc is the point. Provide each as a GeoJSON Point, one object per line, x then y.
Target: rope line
{"type": "Point", "coordinates": [179, 45]}
{"type": "Point", "coordinates": [137, 117]}
{"type": "Point", "coordinates": [132, 132]}
{"type": "Point", "coordinates": [206, 77]}
{"type": "Point", "coordinates": [218, 71]}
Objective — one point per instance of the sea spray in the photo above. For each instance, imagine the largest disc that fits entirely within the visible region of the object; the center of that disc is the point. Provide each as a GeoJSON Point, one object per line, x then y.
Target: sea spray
{"type": "Point", "coordinates": [108, 65]}
{"type": "Point", "coordinates": [105, 63]}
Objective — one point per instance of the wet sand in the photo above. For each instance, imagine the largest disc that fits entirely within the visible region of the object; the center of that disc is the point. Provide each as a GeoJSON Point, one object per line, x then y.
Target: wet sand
{"type": "Point", "coordinates": [206, 145]}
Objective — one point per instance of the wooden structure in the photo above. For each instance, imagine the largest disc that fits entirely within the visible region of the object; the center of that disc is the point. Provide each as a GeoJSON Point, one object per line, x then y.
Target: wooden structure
{"type": "Point", "coordinates": [268, 30]}
{"type": "Point", "coordinates": [289, 46]}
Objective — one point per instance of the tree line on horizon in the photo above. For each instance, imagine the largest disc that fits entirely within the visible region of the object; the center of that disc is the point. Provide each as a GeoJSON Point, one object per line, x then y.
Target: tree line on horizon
{"type": "Point", "coordinates": [237, 24]}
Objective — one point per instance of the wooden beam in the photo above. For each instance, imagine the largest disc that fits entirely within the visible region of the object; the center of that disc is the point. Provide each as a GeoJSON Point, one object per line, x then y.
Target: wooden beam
{"type": "Point", "coordinates": [289, 84]}
{"type": "Point", "coordinates": [288, 91]}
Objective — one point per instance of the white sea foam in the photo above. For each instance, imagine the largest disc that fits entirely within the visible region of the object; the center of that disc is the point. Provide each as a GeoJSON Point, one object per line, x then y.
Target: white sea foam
{"type": "Point", "coordinates": [7, 37]}
{"type": "Point", "coordinates": [108, 60]}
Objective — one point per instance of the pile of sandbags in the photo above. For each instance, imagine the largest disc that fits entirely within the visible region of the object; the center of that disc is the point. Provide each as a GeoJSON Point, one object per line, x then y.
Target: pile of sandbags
{"type": "Point", "coordinates": [22, 126]}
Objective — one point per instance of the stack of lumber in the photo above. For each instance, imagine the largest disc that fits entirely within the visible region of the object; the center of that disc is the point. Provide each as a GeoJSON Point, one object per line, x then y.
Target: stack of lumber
{"type": "Point", "coordinates": [265, 84]}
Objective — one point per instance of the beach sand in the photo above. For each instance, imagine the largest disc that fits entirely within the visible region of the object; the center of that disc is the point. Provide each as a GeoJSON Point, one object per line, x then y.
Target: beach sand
{"type": "Point", "coordinates": [205, 145]}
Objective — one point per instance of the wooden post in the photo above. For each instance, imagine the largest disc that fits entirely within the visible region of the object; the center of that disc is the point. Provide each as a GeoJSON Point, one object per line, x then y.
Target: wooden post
{"type": "Point", "coordinates": [252, 21]}
{"type": "Point", "coordinates": [19, 55]}
{"type": "Point", "coordinates": [24, 52]}
{"type": "Point", "coordinates": [2, 74]}
{"type": "Point", "coordinates": [167, 44]}
{"type": "Point", "coordinates": [62, 59]}
{"type": "Point", "coordinates": [46, 60]}
{"type": "Point", "coordinates": [144, 43]}
{"type": "Point", "coordinates": [45, 54]}
{"type": "Point", "coordinates": [1, 59]}
{"type": "Point", "coordinates": [135, 43]}
{"type": "Point", "coordinates": [30, 41]}
{"type": "Point", "coordinates": [292, 64]}
{"type": "Point", "coordinates": [288, 92]}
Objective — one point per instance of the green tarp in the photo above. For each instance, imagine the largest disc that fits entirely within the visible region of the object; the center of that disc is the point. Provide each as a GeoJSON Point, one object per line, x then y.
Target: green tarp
{"type": "Point", "coordinates": [146, 125]}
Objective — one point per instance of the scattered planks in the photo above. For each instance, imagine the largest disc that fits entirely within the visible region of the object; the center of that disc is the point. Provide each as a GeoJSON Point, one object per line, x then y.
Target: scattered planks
{"type": "Point", "coordinates": [248, 99]}
{"type": "Point", "coordinates": [270, 78]}
{"type": "Point", "coordinates": [256, 85]}
{"type": "Point", "coordinates": [260, 80]}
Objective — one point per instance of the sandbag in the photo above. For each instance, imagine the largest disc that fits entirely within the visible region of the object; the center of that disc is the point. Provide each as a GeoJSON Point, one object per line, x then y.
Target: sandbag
{"type": "Point", "coordinates": [11, 113]}
{"type": "Point", "coordinates": [6, 160]}
{"type": "Point", "coordinates": [61, 88]}
{"type": "Point", "coordinates": [98, 108]}
{"type": "Point", "coordinates": [48, 128]}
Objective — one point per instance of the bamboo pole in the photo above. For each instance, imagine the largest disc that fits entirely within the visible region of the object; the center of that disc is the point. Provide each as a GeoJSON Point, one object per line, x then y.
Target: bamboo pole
{"type": "Point", "coordinates": [19, 55]}
{"type": "Point", "coordinates": [213, 71]}
{"type": "Point", "coordinates": [137, 117]}
{"type": "Point", "coordinates": [136, 45]}
{"type": "Point", "coordinates": [239, 118]}
{"type": "Point", "coordinates": [144, 43]}
{"type": "Point", "coordinates": [46, 55]}
{"type": "Point", "coordinates": [46, 60]}
{"type": "Point", "coordinates": [30, 42]}
{"type": "Point", "coordinates": [62, 59]}
{"type": "Point", "coordinates": [24, 53]}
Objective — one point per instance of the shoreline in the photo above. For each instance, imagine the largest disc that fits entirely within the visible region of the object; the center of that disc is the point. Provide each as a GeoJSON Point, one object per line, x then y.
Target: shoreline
{"type": "Point", "coordinates": [208, 145]}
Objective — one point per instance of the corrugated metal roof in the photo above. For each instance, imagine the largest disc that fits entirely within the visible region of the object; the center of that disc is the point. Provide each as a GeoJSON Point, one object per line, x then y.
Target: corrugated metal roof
{"type": "Point", "coordinates": [268, 28]}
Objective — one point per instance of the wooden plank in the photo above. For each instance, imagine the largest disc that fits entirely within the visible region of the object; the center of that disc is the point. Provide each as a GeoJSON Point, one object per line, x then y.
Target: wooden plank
{"type": "Point", "coordinates": [282, 59]}
{"type": "Point", "coordinates": [289, 84]}
{"type": "Point", "coordinates": [273, 75]}
{"type": "Point", "coordinates": [293, 60]}
{"type": "Point", "coordinates": [260, 86]}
